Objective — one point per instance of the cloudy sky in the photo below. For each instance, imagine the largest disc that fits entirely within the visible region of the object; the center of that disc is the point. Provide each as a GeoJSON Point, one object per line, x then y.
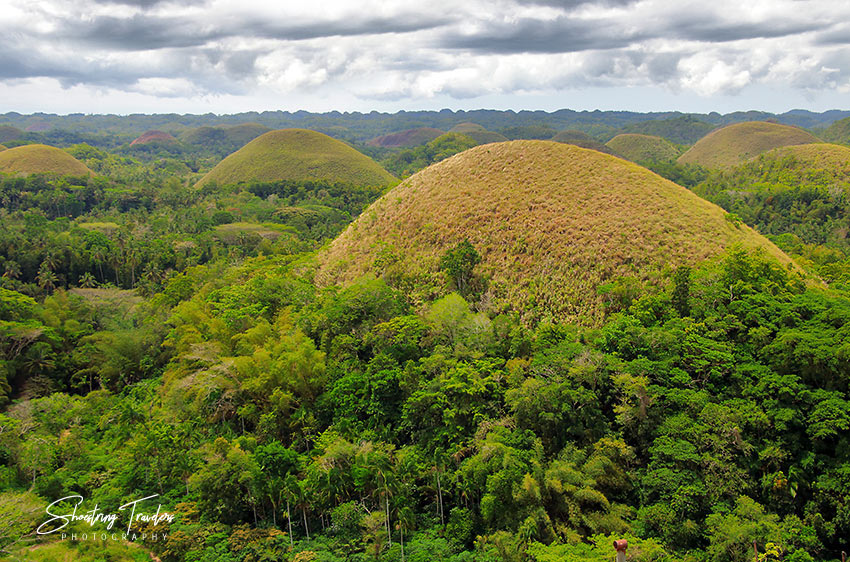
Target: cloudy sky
{"type": "Point", "coordinates": [225, 56]}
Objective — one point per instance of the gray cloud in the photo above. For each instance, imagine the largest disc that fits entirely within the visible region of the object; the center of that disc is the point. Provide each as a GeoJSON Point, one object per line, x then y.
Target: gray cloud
{"type": "Point", "coordinates": [561, 35]}
{"type": "Point", "coordinates": [391, 51]}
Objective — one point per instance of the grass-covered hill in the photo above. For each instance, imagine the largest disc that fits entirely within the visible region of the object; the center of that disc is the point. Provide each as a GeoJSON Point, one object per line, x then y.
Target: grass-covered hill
{"type": "Point", "coordinates": [154, 137]}
{"type": "Point", "coordinates": [823, 158]}
{"type": "Point", "coordinates": [8, 133]}
{"type": "Point", "coordinates": [731, 145]}
{"type": "Point", "coordinates": [569, 135]}
{"type": "Point", "coordinates": [553, 224]}
{"type": "Point", "coordinates": [299, 155]}
{"type": "Point", "coordinates": [643, 148]}
{"type": "Point", "coordinates": [799, 194]}
{"type": "Point", "coordinates": [478, 133]}
{"type": "Point", "coordinates": [2, 147]}
{"type": "Point", "coordinates": [40, 159]}
{"type": "Point", "coordinates": [410, 137]}
{"type": "Point", "coordinates": [838, 131]}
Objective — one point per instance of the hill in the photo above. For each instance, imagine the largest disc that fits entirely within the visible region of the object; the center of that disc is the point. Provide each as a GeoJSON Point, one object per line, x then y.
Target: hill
{"type": "Point", "coordinates": [553, 223]}
{"type": "Point", "coordinates": [838, 131]}
{"type": "Point", "coordinates": [410, 137]}
{"type": "Point", "coordinates": [571, 135]}
{"type": "Point", "coordinates": [685, 129]}
{"type": "Point", "coordinates": [222, 139]}
{"type": "Point", "coordinates": [731, 145]}
{"type": "Point", "coordinates": [298, 154]}
{"type": "Point", "coordinates": [478, 133]}
{"type": "Point", "coordinates": [579, 138]}
{"type": "Point", "coordinates": [2, 147]}
{"type": "Point", "coordinates": [806, 159]}
{"type": "Point", "coordinates": [151, 137]}
{"type": "Point", "coordinates": [41, 159]}
{"type": "Point", "coordinates": [643, 148]}
{"type": "Point", "coordinates": [8, 133]}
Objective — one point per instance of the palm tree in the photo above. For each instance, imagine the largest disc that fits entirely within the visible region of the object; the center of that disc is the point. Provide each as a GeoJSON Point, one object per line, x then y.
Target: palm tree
{"type": "Point", "coordinates": [46, 279]}
{"type": "Point", "coordinates": [13, 270]}
{"type": "Point", "coordinates": [87, 280]}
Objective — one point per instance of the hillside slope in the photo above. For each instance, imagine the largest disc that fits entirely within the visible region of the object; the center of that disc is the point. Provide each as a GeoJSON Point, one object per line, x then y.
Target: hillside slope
{"type": "Point", "coordinates": [301, 155]}
{"type": "Point", "coordinates": [731, 145]}
{"type": "Point", "coordinates": [642, 148]}
{"type": "Point", "coordinates": [41, 159]}
{"type": "Point", "coordinates": [552, 222]}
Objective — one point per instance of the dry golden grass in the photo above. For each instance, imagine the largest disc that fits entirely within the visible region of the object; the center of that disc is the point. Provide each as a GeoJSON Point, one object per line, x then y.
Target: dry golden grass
{"type": "Point", "coordinates": [41, 159]}
{"type": "Point", "coordinates": [301, 155]}
{"type": "Point", "coordinates": [551, 221]}
{"type": "Point", "coordinates": [642, 148]}
{"type": "Point", "coordinates": [819, 156]}
{"type": "Point", "coordinates": [731, 145]}
{"type": "Point", "coordinates": [2, 147]}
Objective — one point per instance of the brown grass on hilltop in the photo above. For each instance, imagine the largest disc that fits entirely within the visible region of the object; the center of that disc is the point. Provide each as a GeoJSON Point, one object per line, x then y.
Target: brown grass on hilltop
{"type": "Point", "coordinates": [643, 148]}
{"type": "Point", "coordinates": [731, 145]}
{"type": "Point", "coordinates": [298, 154]}
{"type": "Point", "coordinates": [833, 159]}
{"type": "Point", "coordinates": [551, 221]}
{"type": "Point", "coordinates": [41, 159]}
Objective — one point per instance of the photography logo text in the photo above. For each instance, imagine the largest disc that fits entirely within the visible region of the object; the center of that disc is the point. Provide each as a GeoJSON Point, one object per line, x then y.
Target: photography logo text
{"type": "Point", "coordinates": [103, 525]}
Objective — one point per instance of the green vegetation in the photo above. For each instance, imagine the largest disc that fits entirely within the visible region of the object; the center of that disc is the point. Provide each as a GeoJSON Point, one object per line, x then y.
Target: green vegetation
{"type": "Point", "coordinates": [410, 161]}
{"type": "Point", "coordinates": [838, 131]}
{"type": "Point", "coordinates": [571, 135]}
{"type": "Point", "coordinates": [548, 349]}
{"type": "Point", "coordinates": [605, 219]}
{"type": "Point", "coordinates": [154, 137]}
{"type": "Point", "coordinates": [8, 133]}
{"type": "Point", "coordinates": [685, 129]}
{"type": "Point", "coordinates": [578, 138]}
{"type": "Point", "coordinates": [643, 148]}
{"type": "Point", "coordinates": [478, 133]}
{"type": "Point", "coordinates": [40, 159]}
{"type": "Point", "coordinates": [799, 196]}
{"type": "Point", "coordinates": [734, 144]}
{"type": "Point", "coordinates": [225, 139]}
{"type": "Point", "coordinates": [297, 155]}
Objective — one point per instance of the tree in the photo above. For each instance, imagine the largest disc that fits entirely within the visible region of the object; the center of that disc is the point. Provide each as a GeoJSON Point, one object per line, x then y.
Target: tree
{"type": "Point", "coordinates": [459, 263]}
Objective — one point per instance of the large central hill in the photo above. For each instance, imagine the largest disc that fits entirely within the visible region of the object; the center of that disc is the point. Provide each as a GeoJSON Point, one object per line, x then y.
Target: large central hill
{"type": "Point", "coordinates": [731, 145]}
{"type": "Point", "coordinates": [41, 159]}
{"type": "Point", "coordinates": [552, 222]}
{"type": "Point", "coordinates": [298, 154]}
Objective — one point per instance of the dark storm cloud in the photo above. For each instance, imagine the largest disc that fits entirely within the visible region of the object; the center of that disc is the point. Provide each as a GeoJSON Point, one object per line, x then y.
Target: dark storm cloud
{"type": "Point", "coordinates": [146, 31]}
{"type": "Point", "coordinates": [566, 34]}
{"type": "Point", "coordinates": [560, 35]}
{"type": "Point", "coordinates": [700, 28]}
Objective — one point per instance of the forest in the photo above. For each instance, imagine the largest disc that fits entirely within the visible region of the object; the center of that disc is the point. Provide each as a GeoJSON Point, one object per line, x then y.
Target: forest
{"type": "Point", "coordinates": [158, 338]}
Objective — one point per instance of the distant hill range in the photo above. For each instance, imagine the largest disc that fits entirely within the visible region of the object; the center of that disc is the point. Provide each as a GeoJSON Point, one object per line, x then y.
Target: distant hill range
{"type": "Point", "coordinates": [362, 127]}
